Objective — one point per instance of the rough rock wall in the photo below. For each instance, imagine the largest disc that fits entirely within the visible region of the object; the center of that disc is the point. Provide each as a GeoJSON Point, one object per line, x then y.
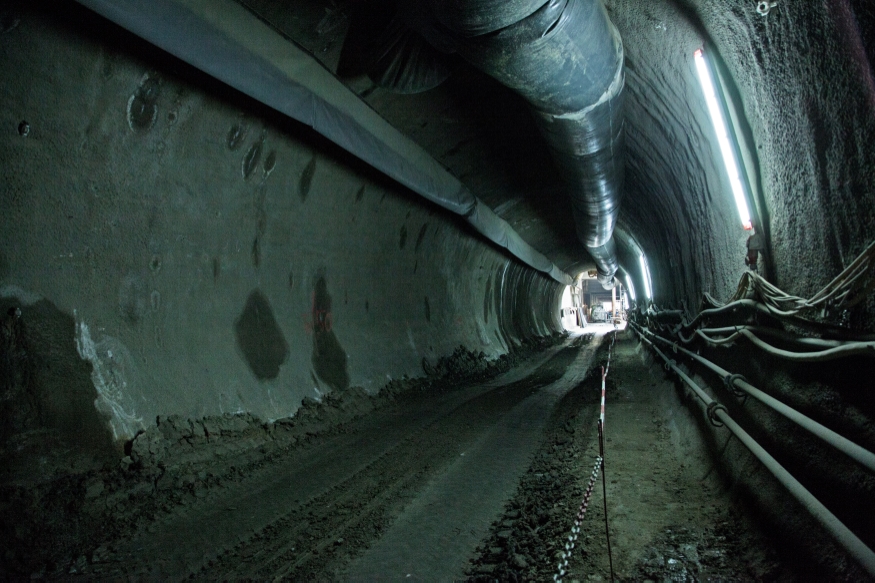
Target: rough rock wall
{"type": "Point", "coordinates": [803, 82]}
{"type": "Point", "coordinates": [808, 93]}
{"type": "Point", "coordinates": [201, 255]}
{"type": "Point", "coordinates": [678, 205]}
{"type": "Point", "coordinates": [804, 86]}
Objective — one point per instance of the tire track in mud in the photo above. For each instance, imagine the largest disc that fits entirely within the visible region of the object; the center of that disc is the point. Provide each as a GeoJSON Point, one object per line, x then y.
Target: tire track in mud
{"type": "Point", "coordinates": [314, 540]}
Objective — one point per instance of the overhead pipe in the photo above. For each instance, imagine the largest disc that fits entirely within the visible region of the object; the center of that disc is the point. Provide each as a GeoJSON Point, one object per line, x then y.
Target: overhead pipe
{"type": "Point", "coordinates": [566, 58]}
{"type": "Point", "coordinates": [851, 542]}
{"type": "Point", "coordinates": [226, 41]}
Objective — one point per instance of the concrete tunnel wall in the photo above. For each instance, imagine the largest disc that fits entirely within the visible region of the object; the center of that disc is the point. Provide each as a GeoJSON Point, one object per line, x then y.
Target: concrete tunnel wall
{"type": "Point", "coordinates": [177, 249]}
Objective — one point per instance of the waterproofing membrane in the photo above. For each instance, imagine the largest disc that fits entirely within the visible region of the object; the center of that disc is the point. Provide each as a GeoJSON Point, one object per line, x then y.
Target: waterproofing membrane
{"type": "Point", "coordinates": [224, 40]}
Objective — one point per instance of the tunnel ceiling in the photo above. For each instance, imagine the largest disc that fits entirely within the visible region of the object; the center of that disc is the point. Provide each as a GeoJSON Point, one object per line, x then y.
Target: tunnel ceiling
{"type": "Point", "coordinates": [677, 201]}
{"type": "Point", "coordinates": [484, 134]}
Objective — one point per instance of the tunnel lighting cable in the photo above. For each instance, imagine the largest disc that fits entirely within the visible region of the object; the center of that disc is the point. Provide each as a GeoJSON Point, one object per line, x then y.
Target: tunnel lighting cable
{"type": "Point", "coordinates": [846, 446]}
{"type": "Point", "coordinates": [842, 533]}
{"type": "Point", "coordinates": [723, 137]}
{"type": "Point", "coordinates": [781, 335]}
{"type": "Point", "coordinates": [645, 275]}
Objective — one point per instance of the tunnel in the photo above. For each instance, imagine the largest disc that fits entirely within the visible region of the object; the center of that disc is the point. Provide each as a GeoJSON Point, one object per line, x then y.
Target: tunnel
{"type": "Point", "coordinates": [523, 290]}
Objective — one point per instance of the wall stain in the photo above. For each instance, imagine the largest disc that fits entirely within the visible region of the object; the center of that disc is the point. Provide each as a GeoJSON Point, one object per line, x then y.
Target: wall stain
{"type": "Point", "coordinates": [487, 300]}
{"type": "Point", "coordinates": [360, 194]}
{"type": "Point", "coordinates": [427, 310]}
{"type": "Point", "coordinates": [4, 267]}
{"type": "Point", "coordinates": [269, 164]}
{"type": "Point", "coordinates": [236, 135]}
{"type": "Point", "coordinates": [420, 237]}
{"type": "Point", "coordinates": [260, 212]}
{"type": "Point", "coordinates": [307, 179]}
{"type": "Point", "coordinates": [329, 358]}
{"type": "Point", "coordinates": [143, 104]}
{"type": "Point", "coordinates": [403, 237]}
{"type": "Point", "coordinates": [415, 266]}
{"type": "Point", "coordinates": [259, 337]}
{"type": "Point", "coordinates": [217, 269]}
{"type": "Point", "coordinates": [496, 297]}
{"type": "Point", "coordinates": [252, 158]}
{"type": "Point", "coordinates": [367, 306]}
{"type": "Point", "coordinates": [291, 280]}
{"type": "Point", "coordinates": [132, 299]}
{"type": "Point", "coordinates": [48, 396]}
{"type": "Point", "coordinates": [256, 252]}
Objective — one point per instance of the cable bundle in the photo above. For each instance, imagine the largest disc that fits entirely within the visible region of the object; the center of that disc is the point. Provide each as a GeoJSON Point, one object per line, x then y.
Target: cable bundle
{"type": "Point", "coordinates": [847, 290]}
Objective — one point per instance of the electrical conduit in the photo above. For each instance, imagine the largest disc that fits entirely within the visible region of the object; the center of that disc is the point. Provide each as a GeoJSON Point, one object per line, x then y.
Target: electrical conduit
{"type": "Point", "coordinates": [842, 533]}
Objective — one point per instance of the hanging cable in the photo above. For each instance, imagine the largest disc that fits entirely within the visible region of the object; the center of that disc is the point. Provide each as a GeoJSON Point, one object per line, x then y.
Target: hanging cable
{"type": "Point", "coordinates": [846, 290]}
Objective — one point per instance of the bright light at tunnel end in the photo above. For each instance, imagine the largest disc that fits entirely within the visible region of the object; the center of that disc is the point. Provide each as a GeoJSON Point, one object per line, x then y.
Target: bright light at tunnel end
{"type": "Point", "coordinates": [720, 128]}
{"type": "Point", "coordinates": [645, 276]}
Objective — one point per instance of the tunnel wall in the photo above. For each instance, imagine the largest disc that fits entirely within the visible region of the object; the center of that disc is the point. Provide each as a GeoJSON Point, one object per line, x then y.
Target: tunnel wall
{"type": "Point", "coordinates": [803, 86]}
{"type": "Point", "coordinates": [806, 86]}
{"type": "Point", "coordinates": [801, 80]}
{"type": "Point", "coordinates": [174, 248]}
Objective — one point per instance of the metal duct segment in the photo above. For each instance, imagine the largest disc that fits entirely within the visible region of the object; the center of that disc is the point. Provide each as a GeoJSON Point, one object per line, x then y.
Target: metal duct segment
{"type": "Point", "coordinates": [587, 149]}
{"type": "Point", "coordinates": [566, 59]}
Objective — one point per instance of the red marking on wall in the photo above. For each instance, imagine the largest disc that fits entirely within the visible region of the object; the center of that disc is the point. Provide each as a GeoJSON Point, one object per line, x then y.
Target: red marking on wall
{"type": "Point", "coordinates": [318, 320]}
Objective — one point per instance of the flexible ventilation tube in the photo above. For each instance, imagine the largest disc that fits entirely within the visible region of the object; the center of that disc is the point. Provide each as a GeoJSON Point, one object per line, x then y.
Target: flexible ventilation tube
{"type": "Point", "coordinates": [566, 58]}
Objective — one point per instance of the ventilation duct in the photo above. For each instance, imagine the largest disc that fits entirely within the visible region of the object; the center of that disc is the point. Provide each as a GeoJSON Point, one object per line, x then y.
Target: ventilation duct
{"type": "Point", "coordinates": [566, 58]}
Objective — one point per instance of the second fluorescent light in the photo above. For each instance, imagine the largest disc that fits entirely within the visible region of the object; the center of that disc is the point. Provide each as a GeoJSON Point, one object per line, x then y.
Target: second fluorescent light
{"type": "Point", "coordinates": [723, 137]}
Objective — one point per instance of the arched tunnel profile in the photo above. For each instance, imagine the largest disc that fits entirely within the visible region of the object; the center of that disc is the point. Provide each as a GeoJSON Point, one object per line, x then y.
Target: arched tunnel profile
{"type": "Point", "coordinates": [486, 290]}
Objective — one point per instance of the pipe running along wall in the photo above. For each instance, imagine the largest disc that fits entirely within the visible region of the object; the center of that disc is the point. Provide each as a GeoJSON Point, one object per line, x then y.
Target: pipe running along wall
{"type": "Point", "coordinates": [566, 58]}
{"type": "Point", "coordinates": [224, 40]}
{"type": "Point", "coordinates": [718, 414]}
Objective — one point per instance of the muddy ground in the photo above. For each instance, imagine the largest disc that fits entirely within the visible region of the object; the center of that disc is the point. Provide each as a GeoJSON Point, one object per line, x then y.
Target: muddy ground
{"type": "Point", "coordinates": [474, 472]}
{"type": "Point", "coordinates": [671, 516]}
